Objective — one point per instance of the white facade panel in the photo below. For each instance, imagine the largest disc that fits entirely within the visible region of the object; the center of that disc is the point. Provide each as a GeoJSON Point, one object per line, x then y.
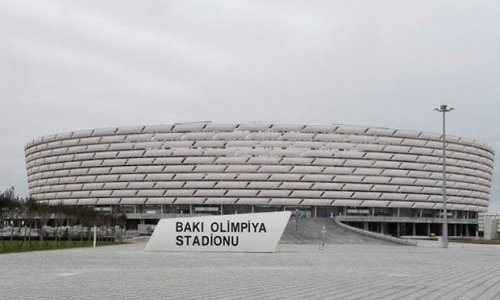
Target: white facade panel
{"type": "Point", "coordinates": [316, 177]}
{"type": "Point", "coordinates": [262, 184]}
{"type": "Point", "coordinates": [224, 176]}
{"type": "Point", "coordinates": [189, 176]}
{"type": "Point", "coordinates": [393, 196]}
{"type": "Point", "coordinates": [209, 168]}
{"type": "Point", "coordinates": [370, 148]}
{"type": "Point", "coordinates": [362, 163]}
{"type": "Point", "coordinates": [250, 176]}
{"type": "Point", "coordinates": [351, 129]}
{"type": "Point", "coordinates": [274, 193]}
{"type": "Point", "coordinates": [319, 153]}
{"type": "Point", "coordinates": [132, 200]}
{"type": "Point", "coordinates": [379, 156]}
{"type": "Point", "coordinates": [297, 136]}
{"type": "Point", "coordinates": [431, 190]}
{"type": "Point", "coordinates": [327, 186]}
{"type": "Point", "coordinates": [220, 201]}
{"type": "Point", "coordinates": [307, 169]}
{"type": "Point", "coordinates": [252, 201]}
{"type": "Point", "coordinates": [180, 192]}
{"type": "Point", "coordinates": [348, 203]}
{"type": "Point", "coordinates": [198, 136]}
{"type": "Point", "coordinates": [329, 137]}
{"type": "Point", "coordinates": [231, 184]}
{"type": "Point", "coordinates": [242, 193]}
{"type": "Point", "coordinates": [424, 205]}
{"type": "Point", "coordinates": [377, 203]}
{"type": "Point", "coordinates": [98, 155]}
{"type": "Point", "coordinates": [87, 201]}
{"type": "Point", "coordinates": [286, 177]}
{"type": "Point", "coordinates": [296, 185]}
{"type": "Point", "coordinates": [401, 204]}
{"type": "Point", "coordinates": [357, 187]}
{"type": "Point", "coordinates": [285, 201]}
{"type": "Point", "coordinates": [413, 142]}
{"type": "Point", "coordinates": [186, 152]}
{"type": "Point", "coordinates": [150, 193]}
{"type": "Point", "coordinates": [263, 136]}
{"type": "Point", "coordinates": [100, 194]}
{"type": "Point", "coordinates": [397, 149]}
{"type": "Point", "coordinates": [368, 171]}
{"type": "Point", "coordinates": [337, 195]}
{"type": "Point", "coordinates": [348, 178]}
{"type": "Point", "coordinates": [260, 160]}
{"type": "Point", "coordinates": [258, 163]}
{"type": "Point", "coordinates": [319, 128]}
{"type": "Point", "coordinates": [377, 179]}
{"type": "Point", "coordinates": [417, 197]}
{"type": "Point", "coordinates": [108, 201]}
{"type": "Point", "coordinates": [306, 194]}
{"type": "Point", "coordinates": [366, 195]}
{"type": "Point", "coordinates": [386, 164]}
{"type": "Point", "coordinates": [384, 140]}
{"type": "Point", "coordinates": [316, 202]}
{"type": "Point", "coordinates": [385, 188]}
{"type": "Point", "coordinates": [395, 173]}
{"type": "Point", "coordinates": [380, 131]}
{"type": "Point", "coordinates": [289, 127]}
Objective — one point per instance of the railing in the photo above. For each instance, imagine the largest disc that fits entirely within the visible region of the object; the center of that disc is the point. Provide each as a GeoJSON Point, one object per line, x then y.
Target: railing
{"type": "Point", "coordinates": [404, 219]}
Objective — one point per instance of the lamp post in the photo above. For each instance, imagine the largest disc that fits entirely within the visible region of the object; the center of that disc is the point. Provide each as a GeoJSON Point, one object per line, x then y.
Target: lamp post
{"type": "Point", "coordinates": [444, 109]}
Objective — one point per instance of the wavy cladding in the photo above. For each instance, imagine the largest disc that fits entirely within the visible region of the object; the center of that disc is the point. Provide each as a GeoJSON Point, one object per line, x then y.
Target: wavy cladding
{"type": "Point", "coordinates": [258, 163]}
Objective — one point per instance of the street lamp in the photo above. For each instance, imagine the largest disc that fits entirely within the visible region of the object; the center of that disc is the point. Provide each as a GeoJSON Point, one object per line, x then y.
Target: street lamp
{"type": "Point", "coordinates": [444, 109]}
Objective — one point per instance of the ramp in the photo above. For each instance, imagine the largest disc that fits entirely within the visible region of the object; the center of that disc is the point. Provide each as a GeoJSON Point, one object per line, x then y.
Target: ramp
{"type": "Point", "coordinates": [309, 231]}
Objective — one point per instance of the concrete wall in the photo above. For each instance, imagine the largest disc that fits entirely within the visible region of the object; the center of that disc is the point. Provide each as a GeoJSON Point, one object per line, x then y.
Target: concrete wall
{"type": "Point", "coordinates": [491, 229]}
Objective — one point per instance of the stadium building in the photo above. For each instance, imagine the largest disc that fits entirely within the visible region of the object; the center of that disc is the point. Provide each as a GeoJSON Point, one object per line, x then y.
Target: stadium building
{"type": "Point", "coordinates": [384, 180]}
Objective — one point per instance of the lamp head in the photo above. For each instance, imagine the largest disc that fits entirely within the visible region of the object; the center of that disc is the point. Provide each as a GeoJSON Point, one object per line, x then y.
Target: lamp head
{"type": "Point", "coordinates": [444, 108]}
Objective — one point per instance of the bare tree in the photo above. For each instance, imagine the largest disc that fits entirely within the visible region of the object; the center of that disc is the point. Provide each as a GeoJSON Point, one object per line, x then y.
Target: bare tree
{"type": "Point", "coordinates": [8, 206]}
{"type": "Point", "coordinates": [5, 206]}
{"type": "Point", "coordinates": [31, 209]}
{"type": "Point", "coordinates": [43, 211]}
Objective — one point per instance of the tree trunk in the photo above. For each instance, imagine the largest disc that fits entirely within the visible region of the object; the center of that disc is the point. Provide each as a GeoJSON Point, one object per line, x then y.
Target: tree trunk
{"type": "Point", "coordinates": [81, 233]}
{"type": "Point", "coordinates": [1, 234]}
{"type": "Point", "coordinates": [29, 233]}
{"type": "Point", "coordinates": [42, 233]}
{"type": "Point", "coordinates": [70, 231]}
{"type": "Point", "coordinates": [12, 231]}
{"type": "Point", "coordinates": [24, 236]}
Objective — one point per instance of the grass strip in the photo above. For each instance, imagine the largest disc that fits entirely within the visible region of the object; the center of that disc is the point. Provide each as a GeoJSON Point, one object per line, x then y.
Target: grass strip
{"type": "Point", "coordinates": [20, 246]}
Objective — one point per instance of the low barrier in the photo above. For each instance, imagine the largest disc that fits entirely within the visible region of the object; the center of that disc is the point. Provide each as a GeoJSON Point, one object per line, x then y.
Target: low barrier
{"type": "Point", "coordinates": [377, 235]}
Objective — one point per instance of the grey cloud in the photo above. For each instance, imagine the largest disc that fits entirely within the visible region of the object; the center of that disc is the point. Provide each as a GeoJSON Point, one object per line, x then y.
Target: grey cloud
{"type": "Point", "coordinates": [69, 65]}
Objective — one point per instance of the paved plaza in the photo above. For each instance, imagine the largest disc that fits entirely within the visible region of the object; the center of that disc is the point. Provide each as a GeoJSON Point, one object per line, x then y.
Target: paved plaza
{"type": "Point", "coordinates": [347, 271]}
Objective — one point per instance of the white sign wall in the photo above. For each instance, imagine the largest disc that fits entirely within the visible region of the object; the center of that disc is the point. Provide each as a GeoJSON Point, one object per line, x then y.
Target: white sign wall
{"type": "Point", "coordinates": [258, 232]}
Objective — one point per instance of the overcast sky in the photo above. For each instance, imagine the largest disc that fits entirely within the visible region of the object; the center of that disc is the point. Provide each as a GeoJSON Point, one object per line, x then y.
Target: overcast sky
{"type": "Point", "coordinates": [68, 65]}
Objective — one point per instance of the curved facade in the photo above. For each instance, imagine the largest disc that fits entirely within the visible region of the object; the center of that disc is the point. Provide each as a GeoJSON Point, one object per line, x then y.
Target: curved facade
{"type": "Point", "coordinates": [258, 164]}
